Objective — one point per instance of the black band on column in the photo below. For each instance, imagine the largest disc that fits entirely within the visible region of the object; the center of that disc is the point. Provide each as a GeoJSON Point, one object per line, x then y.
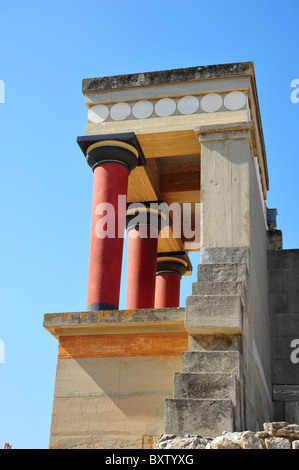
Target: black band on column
{"type": "Point", "coordinates": [121, 141]}
{"type": "Point", "coordinates": [148, 214]}
{"type": "Point", "coordinates": [173, 262]}
{"type": "Point", "coordinates": [110, 154]}
{"type": "Point", "coordinates": [101, 306]}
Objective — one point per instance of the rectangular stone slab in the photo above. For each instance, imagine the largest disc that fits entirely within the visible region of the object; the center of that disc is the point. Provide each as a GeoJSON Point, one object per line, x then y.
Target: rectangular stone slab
{"type": "Point", "coordinates": [208, 418]}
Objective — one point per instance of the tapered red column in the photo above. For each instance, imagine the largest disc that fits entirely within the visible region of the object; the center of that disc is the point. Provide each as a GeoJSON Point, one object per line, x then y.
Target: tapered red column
{"type": "Point", "coordinates": [142, 255]}
{"type": "Point", "coordinates": [111, 162]}
{"type": "Point", "coordinates": [170, 268]}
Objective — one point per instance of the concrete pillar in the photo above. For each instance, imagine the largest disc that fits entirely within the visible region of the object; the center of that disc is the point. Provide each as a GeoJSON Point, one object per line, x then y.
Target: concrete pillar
{"type": "Point", "coordinates": [111, 162]}
{"type": "Point", "coordinates": [170, 268]}
{"type": "Point", "coordinates": [143, 232]}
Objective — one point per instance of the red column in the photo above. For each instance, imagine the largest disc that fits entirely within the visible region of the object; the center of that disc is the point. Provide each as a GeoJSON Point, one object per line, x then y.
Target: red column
{"type": "Point", "coordinates": [167, 292]}
{"type": "Point", "coordinates": [142, 260]}
{"type": "Point", "coordinates": [170, 268]}
{"type": "Point", "coordinates": [111, 162]}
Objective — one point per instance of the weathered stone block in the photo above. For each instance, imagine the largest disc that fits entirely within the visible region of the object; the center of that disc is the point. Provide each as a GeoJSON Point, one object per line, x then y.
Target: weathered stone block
{"type": "Point", "coordinates": [277, 443]}
{"type": "Point", "coordinates": [215, 342]}
{"type": "Point", "coordinates": [207, 418]}
{"type": "Point", "coordinates": [236, 440]}
{"type": "Point", "coordinates": [274, 239]}
{"type": "Point", "coordinates": [221, 272]}
{"type": "Point", "coordinates": [224, 255]}
{"type": "Point", "coordinates": [183, 441]}
{"type": "Point", "coordinates": [212, 314]}
{"type": "Point", "coordinates": [286, 392]}
{"type": "Point", "coordinates": [218, 288]}
{"type": "Point", "coordinates": [211, 361]}
{"type": "Point", "coordinates": [205, 385]}
{"type": "Point", "coordinates": [292, 411]}
{"type": "Point", "coordinates": [282, 429]}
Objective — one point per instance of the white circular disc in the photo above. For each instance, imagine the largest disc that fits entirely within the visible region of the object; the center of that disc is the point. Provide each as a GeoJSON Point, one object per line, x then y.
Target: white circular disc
{"type": "Point", "coordinates": [165, 107]}
{"type": "Point", "coordinates": [211, 103]}
{"type": "Point", "coordinates": [98, 113]}
{"type": "Point", "coordinates": [142, 109]}
{"type": "Point", "coordinates": [235, 100]}
{"type": "Point", "coordinates": [188, 105]}
{"type": "Point", "coordinates": [120, 111]}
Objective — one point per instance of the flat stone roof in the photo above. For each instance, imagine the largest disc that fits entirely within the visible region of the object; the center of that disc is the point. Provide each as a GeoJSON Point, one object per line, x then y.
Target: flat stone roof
{"type": "Point", "coordinates": [115, 321]}
{"type": "Point", "coordinates": [168, 76]}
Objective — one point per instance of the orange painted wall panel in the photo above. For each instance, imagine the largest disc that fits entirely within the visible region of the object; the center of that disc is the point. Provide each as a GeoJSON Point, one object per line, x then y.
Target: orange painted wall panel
{"type": "Point", "coordinates": [118, 345]}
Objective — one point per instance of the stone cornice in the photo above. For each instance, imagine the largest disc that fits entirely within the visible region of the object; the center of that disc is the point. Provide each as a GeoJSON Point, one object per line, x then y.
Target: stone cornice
{"type": "Point", "coordinates": [206, 72]}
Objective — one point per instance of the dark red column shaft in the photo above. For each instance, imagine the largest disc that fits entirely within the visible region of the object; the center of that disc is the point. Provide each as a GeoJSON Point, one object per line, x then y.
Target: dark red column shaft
{"type": "Point", "coordinates": [105, 262]}
{"type": "Point", "coordinates": [142, 263]}
{"type": "Point", "coordinates": [167, 292]}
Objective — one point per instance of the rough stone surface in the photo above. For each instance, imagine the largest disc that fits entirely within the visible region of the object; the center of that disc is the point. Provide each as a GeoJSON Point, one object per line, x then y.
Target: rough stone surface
{"type": "Point", "coordinates": [209, 385]}
{"type": "Point", "coordinates": [206, 416]}
{"type": "Point", "coordinates": [167, 76]}
{"type": "Point", "coordinates": [282, 429]}
{"type": "Point", "coordinates": [250, 440]}
{"type": "Point", "coordinates": [184, 441]}
{"type": "Point", "coordinates": [224, 255]}
{"type": "Point", "coordinates": [295, 445]}
{"type": "Point", "coordinates": [274, 239]}
{"type": "Point", "coordinates": [277, 443]}
{"type": "Point", "coordinates": [213, 312]}
{"type": "Point", "coordinates": [211, 361]}
{"type": "Point", "coordinates": [276, 435]}
{"type": "Point", "coordinates": [229, 440]}
{"type": "Point", "coordinates": [221, 272]}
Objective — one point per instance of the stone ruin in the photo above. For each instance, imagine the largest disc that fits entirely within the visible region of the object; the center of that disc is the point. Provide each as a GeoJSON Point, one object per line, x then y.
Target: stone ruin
{"type": "Point", "coordinates": [179, 164]}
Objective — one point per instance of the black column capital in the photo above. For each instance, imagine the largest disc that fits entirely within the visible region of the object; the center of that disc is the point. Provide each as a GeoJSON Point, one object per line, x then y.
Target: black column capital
{"type": "Point", "coordinates": [146, 214]}
{"type": "Point", "coordinates": [177, 262]}
{"type": "Point", "coordinates": [122, 149]}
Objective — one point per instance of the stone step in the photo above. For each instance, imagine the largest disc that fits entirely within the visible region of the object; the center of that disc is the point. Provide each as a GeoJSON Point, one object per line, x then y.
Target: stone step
{"type": "Point", "coordinates": [203, 417]}
{"type": "Point", "coordinates": [233, 272]}
{"type": "Point", "coordinates": [211, 361]}
{"type": "Point", "coordinates": [214, 314]}
{"type": "Point", "coordinates": [218, 288]}
{"type": "Point", "coordinates": [214, 342]}
{"type": "Point", "coordinates": [206, 385]}
{"type": "Point", "coordinates": [224, 255]}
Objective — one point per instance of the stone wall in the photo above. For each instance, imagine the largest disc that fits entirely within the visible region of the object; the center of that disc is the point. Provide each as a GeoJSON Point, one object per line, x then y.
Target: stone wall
{"type": "Point", "coordinates": [276, 435]}
{"type": "Point", "coordinates": [234, 221]}
{"type": "Point", "coordinates": [283, 274]}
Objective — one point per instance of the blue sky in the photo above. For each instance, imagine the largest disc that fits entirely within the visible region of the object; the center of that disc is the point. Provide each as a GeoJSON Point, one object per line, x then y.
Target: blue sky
{"type": "Point", "coordinates": [46, 49]}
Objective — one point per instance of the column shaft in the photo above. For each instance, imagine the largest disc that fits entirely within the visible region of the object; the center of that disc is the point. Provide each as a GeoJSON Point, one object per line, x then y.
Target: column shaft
{"type": "Point", "coordinates": [110, 181]}
{"type": "Point", "coordinates": [167, 293]}
{"type": "Point", "coordinates": [142, 261]}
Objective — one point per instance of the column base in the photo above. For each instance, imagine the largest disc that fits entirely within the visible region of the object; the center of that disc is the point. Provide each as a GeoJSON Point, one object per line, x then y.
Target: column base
{"type": "Point", "coordinates": [101, 306]}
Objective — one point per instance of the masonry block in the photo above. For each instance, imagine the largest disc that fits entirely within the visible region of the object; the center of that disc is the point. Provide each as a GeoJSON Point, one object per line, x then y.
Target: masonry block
{"type": "Point", "coordinates": [224, 255]}
{"type": "Point", "coordinates": [218, 288]}
{"type": "Point", "coordinates": [221, 272]}
{"type": "Point", "coordinates": [212, 314]}
{"type": "Point", "coordinates": [202, 385]}
{"type": "Point", "coordinates": [211, 361]}
{"type": "Point", "coordinates": [204, 417]}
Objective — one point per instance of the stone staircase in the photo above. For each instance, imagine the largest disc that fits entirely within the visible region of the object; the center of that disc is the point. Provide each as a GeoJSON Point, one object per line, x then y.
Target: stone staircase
{"type": "Point", "coordinates": [208, 395]}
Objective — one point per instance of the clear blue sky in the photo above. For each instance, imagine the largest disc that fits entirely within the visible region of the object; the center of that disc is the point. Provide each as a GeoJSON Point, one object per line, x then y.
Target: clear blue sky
{"type": "Point", "coordinates": [47, 48]}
